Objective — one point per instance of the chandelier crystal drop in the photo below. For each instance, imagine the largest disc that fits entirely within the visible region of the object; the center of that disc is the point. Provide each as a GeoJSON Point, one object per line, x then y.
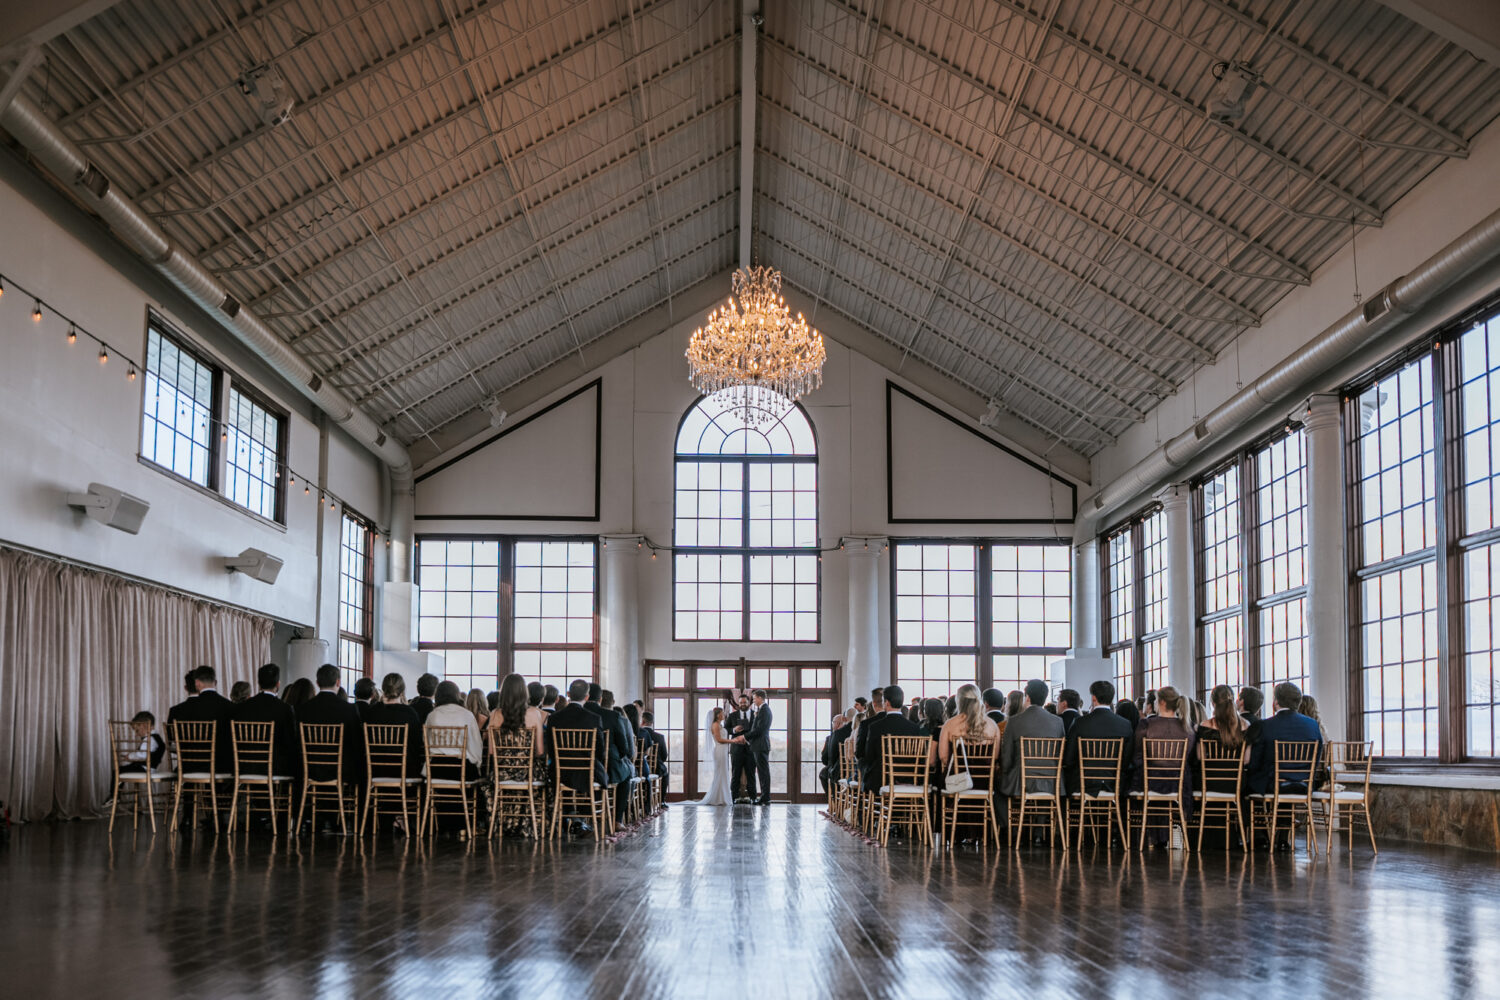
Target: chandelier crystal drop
{"type": "Point", "coordinates": [753, 347]}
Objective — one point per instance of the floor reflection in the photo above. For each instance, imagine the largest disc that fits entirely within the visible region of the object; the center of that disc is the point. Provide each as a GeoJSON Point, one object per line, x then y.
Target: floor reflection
{"type": "Point", "coordinates": [747, 901]}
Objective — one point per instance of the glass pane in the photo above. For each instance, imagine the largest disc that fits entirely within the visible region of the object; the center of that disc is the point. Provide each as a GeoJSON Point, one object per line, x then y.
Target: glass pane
{"type": "Point", "coordinates": [252, 455]}
{"type": "Point", "coordinates": [1281, 505]}
{"type": "Point", "coordinates": [1479, 425]}
{"type": "Point", "coordinates": [1399, 660]}
{"type": "Point", "coordinates": [1393, 465]}
{"type": "Point", "coordinates": [934, 675]}
{"type": "Point", "coordinates": [1030, 601]}
{"type": "Point", "coordinates": [177, 409]}
{"type": "Point", "coordinates": [1482, 648]}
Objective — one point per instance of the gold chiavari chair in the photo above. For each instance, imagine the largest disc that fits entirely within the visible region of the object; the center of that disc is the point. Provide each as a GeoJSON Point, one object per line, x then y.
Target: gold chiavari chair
{"type": "Point", "coordinates": [1291, 793]}
{"type": "Point", "coordinates": [573, 764]}
{"type": "Point", "coordinates": [448, 780]}
{"type": "Point", "coordinates": [133, 776]}
{"type": "Point", "coordinates": [1221, 773]}
{"type": "Point", "coordinates": [1040, 803]}
{"type": "Point", "coordinates": [638, 800]}
{"type": "Point", "coordinates": [322, 771]}
{"type": "Point", "coordinates": [517, 786]}
{"type": "Point", "coordinates": [1165, 763]}
{"type": "Point", "coordinates": [1098, 805]}
{"type": "Point", "coordinates": [197, 767]}
{"type": "Point", "coordinates": [977, 802]}
{"type": "Point", "coordinates": [903, 786]}
{"type": "Point", "coordinates": [846, 797]}
{"type": "Point", "coordinates": [386, 782]}
{"type": "Point", "coordinates": [654, 782]}
{"type": "Point", "coordinates": [1348, 790]}
{"type": "Point", "coordinates": [254, 773]}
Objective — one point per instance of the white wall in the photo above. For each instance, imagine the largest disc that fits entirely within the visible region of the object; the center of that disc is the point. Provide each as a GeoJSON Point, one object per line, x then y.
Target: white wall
{"type": "Point", "coordinates": [645, 394]}
{"type": "Point", "coordinates": [66, 421]}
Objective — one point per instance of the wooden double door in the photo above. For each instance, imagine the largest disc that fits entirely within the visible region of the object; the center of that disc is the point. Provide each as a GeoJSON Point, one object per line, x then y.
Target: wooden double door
{"type": "Point", "coordinates": [802, 695]}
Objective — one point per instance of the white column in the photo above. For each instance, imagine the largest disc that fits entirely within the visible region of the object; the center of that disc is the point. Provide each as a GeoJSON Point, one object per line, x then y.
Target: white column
{"type": "Point", "coordinates": [1087, 638]}
{"type": "Point", "coordinates": [1327, 573]}
{"type": "Point", "coordinates": [1180, 625]}
{"type": "Point", "coordinates": [619, 620]}
{"type": "Point", "coordinates": [864, 663]}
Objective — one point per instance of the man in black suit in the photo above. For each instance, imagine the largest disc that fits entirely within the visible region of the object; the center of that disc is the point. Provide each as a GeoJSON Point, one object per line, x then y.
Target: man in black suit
{"type": "Point", "coordinates": [1069, 705]}
{"type": "Point", "coordinates": [575, 715]}
{"type": "Point", "coordinates": [648, 732]}
{"type": "Point", "coordinates": [870, 745]}
{"type": "Point", "coordinates": [1101, 723]}
{"type": "Point", "coordinates": [620, 767]}
{"type": "Point", "coordinates": [327, 708]}
{"type": "Point", "coordinates": [190, 686]}
{"type": "Point", "coordinates": [550, 702]}
{"type": "Point", "coordinates": [994, 705]}
{"type": "Point", "coordinates": [422, 704]}
{"type": "Point", "coordinates": [742, 761]}
{"type": "Point", "coordinates": [758, 739]}
{"type": "Point", "coordinates": [364, 697]}
{"type": "Point", "coordinates": [209, 706]}
{"type": "Point", "coordinates": [829, 771]}
{"type": "Point", "coordinates": [267, 706]}
{"type": "Point", "coordinates": [1249, 704]}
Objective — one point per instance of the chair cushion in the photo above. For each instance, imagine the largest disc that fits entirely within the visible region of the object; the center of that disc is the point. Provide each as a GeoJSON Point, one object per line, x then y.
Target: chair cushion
{"type": "Point", "coordinates": [520, 784]}
{"type": "Point", "coordinates": [1100, 796]}
{"type": "Point", "coordinates": [1215, 796]}
{"type": "Point", "coordinates": [902, 790]}
{"type": "Point", "coordinates": [968, 793]}
{"type": "Point", "coordinates": [450, 782]}
{"type": "Point", "coordinates": [1039, 795]}
{"type": "Point", "coordinates": [205, 776]}
{"type": "Point", "coordinates": [389, 782]}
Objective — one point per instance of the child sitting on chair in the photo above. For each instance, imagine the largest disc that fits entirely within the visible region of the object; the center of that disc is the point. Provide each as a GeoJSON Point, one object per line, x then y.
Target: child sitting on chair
{"type": "Point", "coordinates": [152, 749]}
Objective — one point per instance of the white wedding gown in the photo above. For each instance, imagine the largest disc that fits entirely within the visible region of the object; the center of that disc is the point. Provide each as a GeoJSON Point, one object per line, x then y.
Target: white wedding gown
{"type": "Point", "coordinates": [718, 788]}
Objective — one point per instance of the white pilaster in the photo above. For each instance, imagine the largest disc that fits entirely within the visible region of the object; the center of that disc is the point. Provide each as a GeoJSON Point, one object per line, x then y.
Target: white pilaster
{"type": "Point", "coordinates": [619, 620]}
{"type": "Point", "coordinates": [865, 661]}
{"type": "Point", "coordinates": [1087, 637]}
{"type": "Point", "coordinates": [1327, 571]}
{"type": "Point", "coordinates": [1180, 625]}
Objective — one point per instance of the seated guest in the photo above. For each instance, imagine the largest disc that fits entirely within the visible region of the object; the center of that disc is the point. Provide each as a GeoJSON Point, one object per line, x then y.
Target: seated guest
{"type": "Point", "coordinates": [1148, 705]}
{"type": "Point", "coordinates": [549, 699]}
{"type": "Point", "coordinates": [328, 708]}
{"type": "Point", "coordinates": [151, 749]}
{"type": "Point", "coordinates": [364, 695]}
{"type": "Point", "coordinates": [1014, 704]}
{"type": "Point", "coordinates": [286, 754]}
{"type": "Point", "coordinates": [649, 731]}
{"type": "Point", "coordinates": [239, 691]}
{"type": "Point", "coordinates": [870, 750]}
{"type": "Point", "coordinates": [298, 693]}
{"type": "Point", "coordinates": [1069, 708]}
{"type": "Point", "coordinates": [210, 706]}
{"type": "Point", "coordinates": [1226, 728]}
{"type": "Point", "coordinates": [422, 703]}
{"type": "Point", "coordinates": [971, 724]}
{"type": "Point", "coordinates": [1286, 726]}
{"type": "Point", "coordinates": [534, 695]}
{"type": "Point", "coordinates": [1166, 724]}
{"type": "Point", "coordinates": [830, 755]}
{"type": "Point", "coordinates": [932, 717]}
{"type": "Point", "coordinates": [392, 710]}
{"type": "Point", "coordinates": [190, 686]}
{"type": "Point", "coordinates": [851, 723]}
{"type": "Point", "coordinates": [620, 727]}
{"type": "Point", "coordinates": [512, 732]}
{"type": "Point", "coordinates": [950, 707]}
{"type": "Point", "coordinates": [1031, 722]}
{"type": "Point", "coordinates": [479, 705]}
{"type": "Point", "coordinates": [1127, 710]}
{"type": "Point", "coordinates": [1099, 724]}
{"type": "Point", "coordinates": [994, 706]}
{"type": "Point", "coordinates": [1309, 708]}
{"type": "Point", "coordinates": [621, 747]}
{"type": "Point", "coordinates": [449, 710]}
{"type": "Point", "coordinates": [576, 715]}
{"type": "Point", "coordinates": [499, 718]}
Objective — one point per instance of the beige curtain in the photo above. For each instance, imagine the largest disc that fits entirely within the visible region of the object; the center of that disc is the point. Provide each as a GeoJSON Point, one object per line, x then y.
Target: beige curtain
{"type": "Point", "coordinates": [79, 647]}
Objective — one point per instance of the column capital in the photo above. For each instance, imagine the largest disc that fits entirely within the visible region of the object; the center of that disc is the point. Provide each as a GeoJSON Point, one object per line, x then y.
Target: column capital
{"type": "Point", "coordinates": [1321, 411]}
{"type": "Point", "coordinates": [862, 545]}
{"type": "Point", "coordinates": [1174, 496]}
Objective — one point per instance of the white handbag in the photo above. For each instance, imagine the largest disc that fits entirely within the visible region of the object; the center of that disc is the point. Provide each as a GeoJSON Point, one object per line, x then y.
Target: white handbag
{"type": "Point", "coordinates": [958, 781]}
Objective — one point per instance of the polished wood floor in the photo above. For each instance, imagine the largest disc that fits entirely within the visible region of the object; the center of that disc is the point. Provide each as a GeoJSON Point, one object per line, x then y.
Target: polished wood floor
{"type": "Point", "coordinates": [746, 903]}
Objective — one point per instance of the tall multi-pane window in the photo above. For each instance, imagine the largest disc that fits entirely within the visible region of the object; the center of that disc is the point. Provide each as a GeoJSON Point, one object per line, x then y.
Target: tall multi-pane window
{"type": "Point", "coordinates": [356, 595]}
{"type": "Point", "coordinates": [1478, 477]}
{"type": "Point", "coordinates": [1251, 582]}
{"type": "Point", "coordinates": [494, 605]}
{"type": "Point", "coordinates": [178, 412]}
{"type": "Point", "coordinates": [990, 613]}
{"type": "Point", "coordinates": [1135, 602]}
{"type": "Point", "coordinates": [745, 534]}
{"type": "Point", "coordinates": [231, 442]}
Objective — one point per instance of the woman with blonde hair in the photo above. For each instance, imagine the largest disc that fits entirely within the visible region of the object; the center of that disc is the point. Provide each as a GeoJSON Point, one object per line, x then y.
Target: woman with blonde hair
{"type": "Point", "coordinates": [969, 724]}
{"type": "Point", "coordinates": [479, 705]}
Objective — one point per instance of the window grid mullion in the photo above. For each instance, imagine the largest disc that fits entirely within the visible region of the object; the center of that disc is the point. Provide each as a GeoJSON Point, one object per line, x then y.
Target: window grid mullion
{"type": "Point", "coordinates": [1445, 480]}
{"type": "Point", "coordinates": [1249, 508]}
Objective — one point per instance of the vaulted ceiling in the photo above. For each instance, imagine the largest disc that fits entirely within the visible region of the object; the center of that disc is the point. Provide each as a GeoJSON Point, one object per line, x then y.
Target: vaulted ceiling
{"type": "Point", "coordinates": [1025, 195]}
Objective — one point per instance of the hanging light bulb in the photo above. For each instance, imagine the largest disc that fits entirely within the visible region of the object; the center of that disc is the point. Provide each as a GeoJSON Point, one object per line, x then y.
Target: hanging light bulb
{"type": "Point", "coordinates": [306, 490]}
{"type": "Point", "coordinates": [2, 287]}
{"type": "Point", "coordinates": [130, 375]}
{"type": "Point", "coordinates": [103, 354]}
{"type": "Point", "coordinates": [72, 334]}
{"type": "Point", "coordinates": [36, 311]}
{"type": "Point", "coordinates": [290, 478]}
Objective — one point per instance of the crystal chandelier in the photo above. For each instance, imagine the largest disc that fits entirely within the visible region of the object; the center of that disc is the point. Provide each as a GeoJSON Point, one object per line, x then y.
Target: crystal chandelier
{"type": "Point", "coordinates": [752, 347]}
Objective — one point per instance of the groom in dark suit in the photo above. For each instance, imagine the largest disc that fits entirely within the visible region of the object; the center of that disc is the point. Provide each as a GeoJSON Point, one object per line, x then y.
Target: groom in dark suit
{"type": "Point", "coordinates": [742, 784]}
{"type": "Point", "coordinates": [758, 739]}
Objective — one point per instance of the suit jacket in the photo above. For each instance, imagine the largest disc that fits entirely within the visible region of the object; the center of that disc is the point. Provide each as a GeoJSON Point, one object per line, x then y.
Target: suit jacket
{"type": "Point", "coordinates": [327, 708]}
{"type": "Point", "coordinates": [647, 733]}
{"type": "Point", "coordinates": [1099, 724]}
{"type": "Point", "coordinates": [422, 706]}
{"type": "Point", "coordinates": [363, 708]}
{"type": "Point", "coordinates": [736, 723]}
{"type": "Point", "coordinates": [394, 714]}
{"type": "Point", "coordinates": [872, 734]}
{"type": "Point", "coordinates": [210, 706]}
{"type": "Point", "coordinates": [1286, 726]}
{"type": "Point", "coordinates": [758, 735]}
{"type": "Point", "coordinates": [1069, 719]}
{"type": "Point", "coordinates": [997, 716]}
{"type": "Point", "coordinates": [267, 706]}
{"type": "Point", "coordinates": [1031, 722]}
{"type": "Point", "coordinates": [621, 765]}
{"type": "Point", "coordinates": [576, 716]}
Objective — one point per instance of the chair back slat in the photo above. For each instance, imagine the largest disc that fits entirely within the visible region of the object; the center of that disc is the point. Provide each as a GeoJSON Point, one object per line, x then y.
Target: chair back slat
{"type": "Point", "coordinates": [1099, 764]}
{"type": "Point", "coordinates": [1220, 767]}
{"type": "Point", "coordinates": [1041, 763]}
{"type": "Point", "coordinates": [385, 749]}
{"type": "Point", "coordinates": [1165, 762]}
{"type": "Point", "coordinates": [323, 751]}
{"type": "Point", "coordinates": [573, 753]}
{"type": "Point", "coordinates": [981, 756]}
{"type": "Point", "coordinates": [1349, 763]}
{"type": "Point", "coordinates": [511, 758]}
{"type": "Point", "coordinates": [1296, 763]}
{"type": "Point", "coordinates": [122, 743]}
{"type": "Point", "coordinates": [196, 747]}
{"type": "Point", "coordinates": [252, 747]}
{"type": "Point", "coordinates": [905, 760]}
{"type": "Point", "coordinates": [447, 751]}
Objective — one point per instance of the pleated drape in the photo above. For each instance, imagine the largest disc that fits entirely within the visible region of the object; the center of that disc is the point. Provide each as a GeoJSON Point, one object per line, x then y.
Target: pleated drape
{"type": "Point", "coordinates": [79, 647]}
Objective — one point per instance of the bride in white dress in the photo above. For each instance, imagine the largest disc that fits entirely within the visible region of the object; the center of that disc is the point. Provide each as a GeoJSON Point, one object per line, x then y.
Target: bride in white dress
{"type": "Point", "coordinates": [718, 788]}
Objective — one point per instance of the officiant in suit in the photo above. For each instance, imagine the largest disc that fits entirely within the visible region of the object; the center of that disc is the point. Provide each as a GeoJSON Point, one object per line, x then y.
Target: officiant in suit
{"type": "Point", "coordinates": [741, 759]}
{"type": "Point", "coordinates": [758, 739]}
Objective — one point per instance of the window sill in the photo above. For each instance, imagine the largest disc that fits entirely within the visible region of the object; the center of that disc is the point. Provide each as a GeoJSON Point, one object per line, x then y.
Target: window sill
{"type": "Point", "coordinates": [210, 493]}
{"type": "Point", "coordinates": [1478, 776]}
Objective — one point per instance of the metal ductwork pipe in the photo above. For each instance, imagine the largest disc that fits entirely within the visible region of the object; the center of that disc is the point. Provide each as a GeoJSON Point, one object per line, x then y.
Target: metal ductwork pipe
{"type": "Point", "coordinates": [53, 150]}
{"type": "Point", "coordinates": [1295, 374]}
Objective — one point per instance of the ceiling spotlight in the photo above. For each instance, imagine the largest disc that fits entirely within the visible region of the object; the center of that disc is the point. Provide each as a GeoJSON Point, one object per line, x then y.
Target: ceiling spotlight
{"type": "Point", "coordinates": [269, 89]}
{"type": "Point", "coordinates": [1235, 82]}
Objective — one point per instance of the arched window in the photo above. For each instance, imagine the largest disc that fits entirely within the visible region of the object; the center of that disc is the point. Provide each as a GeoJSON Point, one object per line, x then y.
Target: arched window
{"type": "Point", "coordinates": [746, 527]}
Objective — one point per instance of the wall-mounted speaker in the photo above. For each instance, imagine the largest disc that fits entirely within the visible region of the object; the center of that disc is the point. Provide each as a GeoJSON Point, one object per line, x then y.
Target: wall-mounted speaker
{"type": "Point", "coordinates": [110, 506]}
{"type": "Point", "coordinates": [255, 564]}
